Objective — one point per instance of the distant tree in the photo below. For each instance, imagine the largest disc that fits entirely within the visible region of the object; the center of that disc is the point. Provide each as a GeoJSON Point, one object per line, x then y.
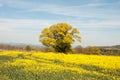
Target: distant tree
{"type": "Point", "coordinates": [92, 50]}
{"type": "Point", "coordinates": [60, 37]}
{"type": "Point", "coordinates": [47, 49]}
{"type": "Point", "coordinates": [28, 48]}
{"type": "Point", "coordinates": [78, 49]}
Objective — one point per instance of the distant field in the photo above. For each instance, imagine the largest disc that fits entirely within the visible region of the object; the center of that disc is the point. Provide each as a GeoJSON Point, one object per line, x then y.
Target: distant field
{"type": "Point", "coordinates": [50, 66]}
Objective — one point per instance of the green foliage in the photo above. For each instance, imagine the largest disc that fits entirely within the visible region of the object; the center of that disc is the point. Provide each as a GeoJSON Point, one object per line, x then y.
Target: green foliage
{"type": "Point", "coordinates": [60, 37]}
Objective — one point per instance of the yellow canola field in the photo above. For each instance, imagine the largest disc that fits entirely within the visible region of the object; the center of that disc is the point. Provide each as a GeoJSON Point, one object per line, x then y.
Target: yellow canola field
{"type": "Point", "coordinates": [15, 65]}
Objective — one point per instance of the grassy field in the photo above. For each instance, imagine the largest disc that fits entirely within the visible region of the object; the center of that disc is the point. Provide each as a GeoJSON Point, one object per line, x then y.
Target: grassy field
{"type": "Point", "coordinates": [16, 65]}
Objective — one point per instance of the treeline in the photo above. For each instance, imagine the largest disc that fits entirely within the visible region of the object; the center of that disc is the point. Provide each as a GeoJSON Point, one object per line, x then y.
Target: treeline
{"type": "Point", "coordinates": [104, 50]}
{"type": "Point", "coordinates": [23, 47]}
{"type": "Point", "coordinates": [99, 50]}
{"type": "Point", "coordinates": [18, 47]}
{"type": "Point", "coordinates": [87, 50]}
{"type": "Point", "coordinates": [9, 47]}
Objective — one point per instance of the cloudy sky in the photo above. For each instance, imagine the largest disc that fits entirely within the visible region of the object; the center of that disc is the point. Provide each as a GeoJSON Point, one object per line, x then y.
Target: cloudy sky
{"type": "Point", "coordinates": [98, 21]}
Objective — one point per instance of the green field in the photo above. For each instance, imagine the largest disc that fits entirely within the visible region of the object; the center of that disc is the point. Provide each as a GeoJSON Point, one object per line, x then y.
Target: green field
{"type": "Point", "coordinates": [15, 65]}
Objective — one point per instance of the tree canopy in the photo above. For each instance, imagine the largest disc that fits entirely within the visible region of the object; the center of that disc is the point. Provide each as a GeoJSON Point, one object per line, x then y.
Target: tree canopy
{"type": "Point", "coordinates": [60, 37]}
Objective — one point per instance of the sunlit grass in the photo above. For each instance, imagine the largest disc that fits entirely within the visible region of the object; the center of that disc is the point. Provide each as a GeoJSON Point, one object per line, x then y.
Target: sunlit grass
{"type": "Point", "coordinates": [16, 65]}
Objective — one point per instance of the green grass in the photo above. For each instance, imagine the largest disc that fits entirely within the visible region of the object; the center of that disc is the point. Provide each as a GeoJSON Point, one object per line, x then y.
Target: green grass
{"type": "Point", "coordinates": [16, 65]}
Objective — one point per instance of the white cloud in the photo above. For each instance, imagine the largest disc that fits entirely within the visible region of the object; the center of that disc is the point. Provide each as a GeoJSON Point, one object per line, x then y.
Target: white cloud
{"type": "Point", "coordinates": [17, 25]}
{"type": "Point", "coordinates": [22, 30]}
{"type": "Point", "coordinates": [35, 25]}
{"type": "Point", "coordinates": [89, 10]}
{"type": "Point", "coordinates": [1, 4]}
{"type": "Point", "coordinates": [28, 30]}
{"type": "Point", "coordinates": [102, 24]}
{"type": "Point", "coordinates": [23, 22]}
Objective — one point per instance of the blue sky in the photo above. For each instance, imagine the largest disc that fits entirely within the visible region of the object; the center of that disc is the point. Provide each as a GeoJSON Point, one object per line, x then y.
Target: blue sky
{"type": "Point", "coordinates": [98, 21]}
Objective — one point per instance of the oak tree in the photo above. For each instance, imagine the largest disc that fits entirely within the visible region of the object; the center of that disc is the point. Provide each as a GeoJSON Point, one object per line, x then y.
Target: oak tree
{"type": "Point", "coordinates": [59, 37]}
